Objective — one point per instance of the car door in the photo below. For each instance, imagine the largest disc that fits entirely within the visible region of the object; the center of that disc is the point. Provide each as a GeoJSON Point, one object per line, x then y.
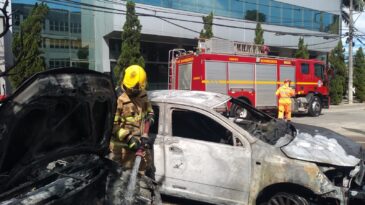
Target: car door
{"type": "Point", "coordinates": [158, 148]}
{"type": "Point", "coordinates": [202, 161]}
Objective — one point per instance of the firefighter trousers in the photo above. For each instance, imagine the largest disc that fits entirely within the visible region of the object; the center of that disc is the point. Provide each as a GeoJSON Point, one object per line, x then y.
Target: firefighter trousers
{"type": "Point", "coordinates": [284, 108]}
{"type": "Point", "coordinates": [126, 158]}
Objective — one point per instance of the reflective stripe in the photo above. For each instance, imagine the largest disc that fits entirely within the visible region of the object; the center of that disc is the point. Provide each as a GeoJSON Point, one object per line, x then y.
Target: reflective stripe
{"type": "Point", "coordinates": [122, 133]}
{"type": "Point", "coordinates": [116, 118]}
{"type": "Point", "coordinates": [129, 119]}
{"type": "Point", "coordinates": [131, 145]}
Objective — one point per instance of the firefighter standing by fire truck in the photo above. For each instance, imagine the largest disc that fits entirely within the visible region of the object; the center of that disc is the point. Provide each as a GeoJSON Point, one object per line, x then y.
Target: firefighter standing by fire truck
{"type": "Point", "coordinates": [285, 92]}
{"type": "Point", "coordinates": [132, 120]}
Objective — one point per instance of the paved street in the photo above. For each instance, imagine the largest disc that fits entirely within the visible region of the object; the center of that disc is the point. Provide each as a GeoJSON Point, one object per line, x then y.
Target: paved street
{"type": "Point", "coordinates": [348, 120]}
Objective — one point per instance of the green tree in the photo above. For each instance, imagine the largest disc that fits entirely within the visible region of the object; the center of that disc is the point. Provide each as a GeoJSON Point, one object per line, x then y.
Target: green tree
{"type": "Point", "coordinates": [336, 89]}
{"type": "Point", "coordinates": [26, 45]}
{"type": "Point", "coordinates": [259, 35]}
{"type": "Point", "coordinates": [358, 5]}
{"type": "Point", "coordinates": [131, 37]}
{"type": "Point", "coordinates": [207, 31]}
{"type": "Point", "coordinates": [302, 51]}
{"type": "Point", "coordinates": [338, 81]}
{"type": "Point", "coordinates": [359, 74]}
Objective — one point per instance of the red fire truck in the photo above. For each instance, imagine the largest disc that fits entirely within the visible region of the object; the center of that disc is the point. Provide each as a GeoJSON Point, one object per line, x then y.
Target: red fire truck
{"type": "Point", "coordinates": [244, 71]}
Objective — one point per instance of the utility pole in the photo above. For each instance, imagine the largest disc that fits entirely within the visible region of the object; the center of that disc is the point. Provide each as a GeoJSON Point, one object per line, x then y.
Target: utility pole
{"type": "Point", "coordinates": [350, 97]}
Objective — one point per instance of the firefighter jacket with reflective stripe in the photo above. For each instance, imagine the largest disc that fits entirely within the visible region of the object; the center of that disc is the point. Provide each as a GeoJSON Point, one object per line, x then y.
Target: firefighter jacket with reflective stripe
{"type": "Point", "coordinates": [130, 116]}
{"type": "Point", "coordinates": [285, 92]}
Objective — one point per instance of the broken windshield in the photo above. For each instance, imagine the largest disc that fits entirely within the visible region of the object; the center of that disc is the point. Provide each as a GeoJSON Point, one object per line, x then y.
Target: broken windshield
{"type": "Point", "coordinates": [257, 123]}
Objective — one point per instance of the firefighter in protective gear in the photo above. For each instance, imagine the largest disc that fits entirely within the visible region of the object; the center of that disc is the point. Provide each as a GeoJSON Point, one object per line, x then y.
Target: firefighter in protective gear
{"type": "Point", "coordinates": [132, 120]}
{"type": "Point", "coordinates": [285, 92]}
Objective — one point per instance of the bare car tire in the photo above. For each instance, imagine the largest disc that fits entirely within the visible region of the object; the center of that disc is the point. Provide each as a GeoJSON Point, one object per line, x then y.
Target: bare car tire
{"type": "Point", "coordinates": [315, 107]}
{"type": "Point", "coordinates": [287, 199]}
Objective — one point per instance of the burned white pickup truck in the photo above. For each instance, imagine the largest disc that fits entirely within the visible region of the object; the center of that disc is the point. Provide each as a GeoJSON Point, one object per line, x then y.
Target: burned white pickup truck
{"type": "Point", "coordinates": [54, 140]}
{"type": "Point", "coordinates": [204, 151]}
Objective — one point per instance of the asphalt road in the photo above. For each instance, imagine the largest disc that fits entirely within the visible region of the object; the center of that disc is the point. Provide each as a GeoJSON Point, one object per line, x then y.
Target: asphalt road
{"type": "Point", "coordinates": [347, 120]}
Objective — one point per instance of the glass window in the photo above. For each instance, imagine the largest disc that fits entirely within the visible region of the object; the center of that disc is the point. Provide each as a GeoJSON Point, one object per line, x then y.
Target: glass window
{"type": "Point", "coordinates": [287, 19]}
{"type": "Point", "coordinates": [205, 6]}
{"type": "Point", "coordinates": [222, 8]}
{"type": "Point", "coordinates": [308, 19]}
{"type": "Point", "coordinates": [251, 10]}
{"type": "Point", "coordinates": [57, 26]}
{"type": "Point", "coordinates": [51, 63]}
{"type": "Point", "coordinates": [264, 10]}
{"type": "Point", "coordinates": [305, 68]}
{"type": "Point", "coordinates": [51, 43]}
{"type": "Point", "coordinates": [318, 70]}
{"type": "Point", "coordinates": [51, 25]}
{"type": "Point", "coordinates": [199, 127]}
{"type": "Point", "coordinates": [318, 21]}
{"type": "Point", "coordinates": [297, 16]}
{"type": "Point", "coordinates": [150, 2]}
{"type": "Point", "coordinates": [327, 21]}
{"type": "Point", "coordinates": [62, 26]}
{"type": "Point", "coordinates": [236, 9]}
{"type": "Point", "coordinates": [333, 27]}
{"type": "Point", "coordinates": [275, 13]}
{"type": "Point", "coordinates": [186, 5]}
{"type": "Point", "coordinates": [154, 126]}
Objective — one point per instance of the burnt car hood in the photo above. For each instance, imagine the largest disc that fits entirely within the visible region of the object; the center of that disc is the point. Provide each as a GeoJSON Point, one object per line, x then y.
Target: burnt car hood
{"type": "Point", "coordinates": [321, 145]}
{"type": "Point", "coordinates": [56, 113]}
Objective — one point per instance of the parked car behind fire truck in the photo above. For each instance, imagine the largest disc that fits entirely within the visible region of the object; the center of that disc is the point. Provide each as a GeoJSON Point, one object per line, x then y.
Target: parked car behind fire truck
{"type": "Point", "coordinates": [232, 68]}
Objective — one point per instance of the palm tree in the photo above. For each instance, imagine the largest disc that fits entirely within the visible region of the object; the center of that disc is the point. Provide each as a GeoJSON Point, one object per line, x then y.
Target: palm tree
{"type": "Point", "coordinates": [358, 6]}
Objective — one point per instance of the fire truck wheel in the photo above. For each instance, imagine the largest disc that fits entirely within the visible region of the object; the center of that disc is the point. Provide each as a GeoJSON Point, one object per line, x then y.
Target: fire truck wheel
{"type": "Point", "coordinates": [315, 107]}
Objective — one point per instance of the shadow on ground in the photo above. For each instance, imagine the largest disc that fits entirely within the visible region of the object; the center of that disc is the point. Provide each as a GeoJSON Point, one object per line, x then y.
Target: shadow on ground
{"type": "Point", "coordinates": [354, 130]}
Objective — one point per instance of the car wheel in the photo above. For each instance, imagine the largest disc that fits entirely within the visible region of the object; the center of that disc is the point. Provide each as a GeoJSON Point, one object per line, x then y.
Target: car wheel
{"type": "Point", "coordinates": [287, 199]}
{"type": "Point", "coordinates": [315, 107]}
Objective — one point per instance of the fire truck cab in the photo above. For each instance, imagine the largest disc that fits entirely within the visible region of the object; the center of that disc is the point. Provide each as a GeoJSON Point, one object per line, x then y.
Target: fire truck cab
{"type": "Point", "coordinates": [252, 78]}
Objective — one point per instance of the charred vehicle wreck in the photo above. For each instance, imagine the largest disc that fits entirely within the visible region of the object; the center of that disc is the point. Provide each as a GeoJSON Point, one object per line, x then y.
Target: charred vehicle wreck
{"type": "Point", "coordinates": [54, 141]}
{"type": "Point", "coordinates": [217, 149]}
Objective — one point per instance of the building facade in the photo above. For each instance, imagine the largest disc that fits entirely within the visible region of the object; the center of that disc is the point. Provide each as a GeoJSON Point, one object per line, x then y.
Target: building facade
{"type": "Point", "coordinates": [87, 33]}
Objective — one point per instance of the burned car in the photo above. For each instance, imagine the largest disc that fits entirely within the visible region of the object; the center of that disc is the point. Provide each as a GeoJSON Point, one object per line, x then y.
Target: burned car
{"type": "Point", "coordinates": [54, 134]}
{"type": "Point", "coordinates": [213, 148]}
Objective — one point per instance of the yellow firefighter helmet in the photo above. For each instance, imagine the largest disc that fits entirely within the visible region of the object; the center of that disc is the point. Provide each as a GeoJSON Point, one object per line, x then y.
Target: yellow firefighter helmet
{"type": "Point", "coordinates": [135, 75]}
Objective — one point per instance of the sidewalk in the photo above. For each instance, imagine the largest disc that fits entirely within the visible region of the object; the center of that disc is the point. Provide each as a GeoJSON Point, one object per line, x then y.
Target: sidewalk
{"type": "Point", "coordinates": [345, 107]}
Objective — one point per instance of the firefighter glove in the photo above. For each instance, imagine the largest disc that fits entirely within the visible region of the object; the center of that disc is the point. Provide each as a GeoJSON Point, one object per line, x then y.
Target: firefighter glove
{"type": "Point", "coordinates": [145, 142]}
{"type": "Point", "coordinates": [134, 143]}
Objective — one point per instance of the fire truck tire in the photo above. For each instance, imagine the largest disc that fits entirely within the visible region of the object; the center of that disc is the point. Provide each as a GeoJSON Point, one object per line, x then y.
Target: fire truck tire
{"type": "Point", "coordinates": [315, 107]}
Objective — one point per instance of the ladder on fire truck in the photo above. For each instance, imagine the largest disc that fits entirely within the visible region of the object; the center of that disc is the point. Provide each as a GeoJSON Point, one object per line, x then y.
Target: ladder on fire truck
{"type": "Point", "coordinates": [233, 47]}
{"type": "Point", "coordinates": [172, 66]}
